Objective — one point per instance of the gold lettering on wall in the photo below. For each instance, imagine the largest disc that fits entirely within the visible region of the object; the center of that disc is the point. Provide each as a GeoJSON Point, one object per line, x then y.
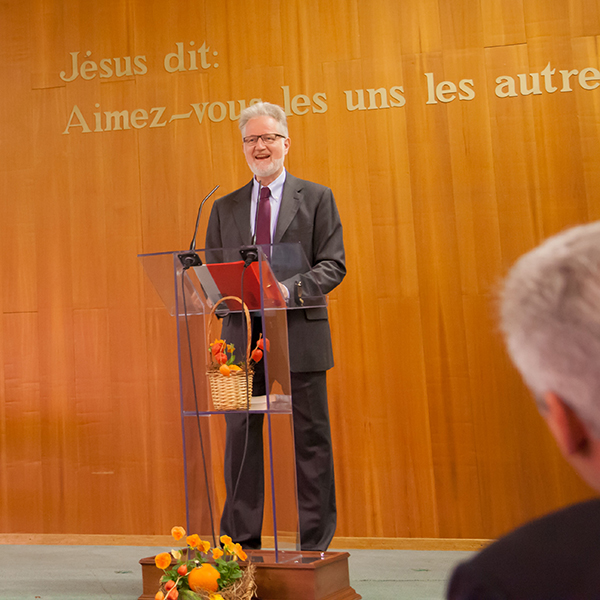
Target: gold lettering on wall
{"type": "Point", "coordinates": [107, 67]}
{"type": "Point", "coordinates": [188, 58]}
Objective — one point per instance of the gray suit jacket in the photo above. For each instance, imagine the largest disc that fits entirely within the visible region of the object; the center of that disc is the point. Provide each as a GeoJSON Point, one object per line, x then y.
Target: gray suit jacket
{"type": "Point", "coordinates": [308, 215]}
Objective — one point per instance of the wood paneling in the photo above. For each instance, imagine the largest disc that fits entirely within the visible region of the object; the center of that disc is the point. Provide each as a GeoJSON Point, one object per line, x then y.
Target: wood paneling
{"type": "Point", "coordinates": [440, 186]}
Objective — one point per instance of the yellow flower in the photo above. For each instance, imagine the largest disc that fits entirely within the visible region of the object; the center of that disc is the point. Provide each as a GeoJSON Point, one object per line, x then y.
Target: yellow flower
{"type": "Point", "coordinates": [217, 553]}
{"type": "Point", "coordinates": [163, 560]}
{"type": "Point", "coordinates": [176, 554]}
{"type": "Point", "coordinates": [216, 597]}
{"type": "Point", "coordinates": [237, 550]}
{"type": "Point", "coordinates": [227, 542]}
{"type": "Point", "coordinates": [178, 532]}
{"type": "Point", "coordinates": [193, 540]}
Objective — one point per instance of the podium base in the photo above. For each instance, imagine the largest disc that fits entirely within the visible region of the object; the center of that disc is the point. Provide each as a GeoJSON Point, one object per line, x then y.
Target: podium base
{"type": "Point", "coordinates": [297, 576]}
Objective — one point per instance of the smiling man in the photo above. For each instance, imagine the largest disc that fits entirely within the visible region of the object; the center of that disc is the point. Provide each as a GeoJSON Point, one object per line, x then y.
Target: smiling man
{"type": "Point", "coordinates": [265, 152]}
{"type": "Point", "coordinates": [276, 207]}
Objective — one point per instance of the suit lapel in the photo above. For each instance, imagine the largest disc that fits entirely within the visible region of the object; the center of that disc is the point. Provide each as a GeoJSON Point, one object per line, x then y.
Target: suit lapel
{"type": "Point", "coordinates": [290, 202]}
{"type": "Point", "coordinates": [241, 213]}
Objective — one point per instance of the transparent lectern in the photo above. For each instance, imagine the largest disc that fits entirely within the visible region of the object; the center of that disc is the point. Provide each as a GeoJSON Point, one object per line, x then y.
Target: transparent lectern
{"type": "Point", "coordinates": [199, 288]}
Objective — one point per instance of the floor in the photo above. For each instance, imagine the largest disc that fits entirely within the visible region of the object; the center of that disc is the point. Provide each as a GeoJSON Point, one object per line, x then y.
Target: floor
{"type": "Point", "coordinates": [113, 572]}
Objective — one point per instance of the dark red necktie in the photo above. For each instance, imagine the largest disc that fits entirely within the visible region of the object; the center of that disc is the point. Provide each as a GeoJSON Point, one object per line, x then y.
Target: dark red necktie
{"type": "Point", "coordinates": [263, 219]}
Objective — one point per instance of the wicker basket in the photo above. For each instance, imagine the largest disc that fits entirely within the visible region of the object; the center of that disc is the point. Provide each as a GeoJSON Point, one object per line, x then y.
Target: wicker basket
{"type": "Point", "coordinates": [233, 392]}
{"type": "Point", "coordinates": [242, 589]}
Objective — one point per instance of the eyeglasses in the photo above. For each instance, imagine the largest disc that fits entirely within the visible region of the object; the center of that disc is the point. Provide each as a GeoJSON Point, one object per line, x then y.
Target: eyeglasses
{"type": "Point", "coordinates": [267, 138]}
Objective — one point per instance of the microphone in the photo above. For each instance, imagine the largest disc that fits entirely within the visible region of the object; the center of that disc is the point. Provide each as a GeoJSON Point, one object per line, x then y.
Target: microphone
{"type": "Point", "coordinates": [249, 254]}
{"type": "Point", "coordinates": [190, 258]}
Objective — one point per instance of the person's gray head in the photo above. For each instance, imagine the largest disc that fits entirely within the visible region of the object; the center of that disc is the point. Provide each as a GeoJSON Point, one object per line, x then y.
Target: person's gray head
{"type": "Point", "coordinates": [550, 318]}
{"type": "Point", "coordinates": [264, 109]}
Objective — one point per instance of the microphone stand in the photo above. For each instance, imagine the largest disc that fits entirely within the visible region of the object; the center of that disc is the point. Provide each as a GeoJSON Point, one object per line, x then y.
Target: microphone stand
{"type": "Point", "coordinates": [190, 258]}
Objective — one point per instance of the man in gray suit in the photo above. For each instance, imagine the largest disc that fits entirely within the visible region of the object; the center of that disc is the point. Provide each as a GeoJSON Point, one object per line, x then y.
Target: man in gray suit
{"type": "Point", "coordinates": [304, 212]}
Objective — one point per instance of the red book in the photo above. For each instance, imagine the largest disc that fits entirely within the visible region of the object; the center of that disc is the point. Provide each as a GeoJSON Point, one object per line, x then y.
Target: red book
{"type": "Point", "coordinates": [227, 281]}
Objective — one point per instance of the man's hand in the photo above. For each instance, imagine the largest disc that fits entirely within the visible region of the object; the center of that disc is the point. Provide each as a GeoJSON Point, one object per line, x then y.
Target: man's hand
{"type": "Point", "coordinates": [284, 291]}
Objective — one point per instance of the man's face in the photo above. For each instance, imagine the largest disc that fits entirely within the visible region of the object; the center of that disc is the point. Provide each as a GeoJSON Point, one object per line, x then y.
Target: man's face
{"type": "Point", "coordinates": [265, 160]}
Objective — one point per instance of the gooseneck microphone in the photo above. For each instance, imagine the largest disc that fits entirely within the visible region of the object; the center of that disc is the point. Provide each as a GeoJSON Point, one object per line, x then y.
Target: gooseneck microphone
{"type": "Point", "coordinates": [190, 258]}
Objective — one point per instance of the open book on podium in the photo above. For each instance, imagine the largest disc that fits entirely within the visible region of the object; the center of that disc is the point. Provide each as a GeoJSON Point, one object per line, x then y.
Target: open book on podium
{"type": "Point", "coordinates": [220, 280]}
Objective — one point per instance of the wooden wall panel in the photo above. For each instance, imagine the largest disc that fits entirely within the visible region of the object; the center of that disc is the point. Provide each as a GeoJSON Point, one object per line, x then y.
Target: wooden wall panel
{"type": "Point", "coordinates": [503, 22]}
{"type": "Point", "coordinates": [23, 494]}
{"type": "Point", "coordinates": [443, 174]}
{"type": "Point", "coordinates": [584, 18]}
{"type": "Point", "coordinates": [587, 49]}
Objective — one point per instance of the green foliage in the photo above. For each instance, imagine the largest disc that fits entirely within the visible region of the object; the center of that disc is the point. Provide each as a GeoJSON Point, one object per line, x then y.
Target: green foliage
{"type": "Point", "coordinates": [230, 572]}
{"type": "Point", "coordinates": [188, 595]}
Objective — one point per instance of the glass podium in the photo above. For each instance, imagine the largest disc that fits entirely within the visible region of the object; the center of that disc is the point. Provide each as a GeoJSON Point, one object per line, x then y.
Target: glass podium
{"type": "Point", "coordinates": [202, 289]}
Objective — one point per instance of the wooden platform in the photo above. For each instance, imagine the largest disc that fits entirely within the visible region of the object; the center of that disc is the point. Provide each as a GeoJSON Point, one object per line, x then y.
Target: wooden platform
{"type": "Point", "coordinates": [297, 576]}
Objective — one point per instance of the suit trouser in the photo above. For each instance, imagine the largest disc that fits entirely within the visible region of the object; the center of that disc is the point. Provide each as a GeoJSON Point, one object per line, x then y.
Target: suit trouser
{"type": "Point", "coordinates": [243, 514]}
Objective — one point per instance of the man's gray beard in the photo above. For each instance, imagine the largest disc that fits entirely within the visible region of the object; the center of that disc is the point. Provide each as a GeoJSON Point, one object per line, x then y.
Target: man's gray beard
{"type": "Point", "coordinates": [275, 166]}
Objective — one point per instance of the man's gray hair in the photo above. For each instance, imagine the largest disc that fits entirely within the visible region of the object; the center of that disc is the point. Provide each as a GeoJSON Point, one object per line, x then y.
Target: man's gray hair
{"type": "Point", "coordinates": [550, 317]}
{"type": "Point", "coordinates": [264, 109]}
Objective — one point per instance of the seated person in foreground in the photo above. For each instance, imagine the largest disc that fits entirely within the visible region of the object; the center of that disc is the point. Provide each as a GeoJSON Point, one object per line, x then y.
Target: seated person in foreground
{"type": "Point", "coordinates": [550, 318]}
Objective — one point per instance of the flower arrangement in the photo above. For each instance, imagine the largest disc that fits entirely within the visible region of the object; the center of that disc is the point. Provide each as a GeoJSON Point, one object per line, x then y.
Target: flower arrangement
{"type": "Point", "coordinates": [222, 356]}
{"type": "Point", "coordinates": [190, 574]}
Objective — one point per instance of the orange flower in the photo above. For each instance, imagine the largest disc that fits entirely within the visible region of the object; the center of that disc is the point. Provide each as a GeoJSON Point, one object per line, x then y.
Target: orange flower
{"type": "Point", "coordinates": [193, 540]}
{"type": "Point", "coordinates": [204, 546]}
{"type": "Point", "coordinates": [237, 550]}
{"type": "Point", "coordinates": [178, 532]}
{"type": "Point", "coordinates": [217, 553]}
{"type": "Point", "coordinates": [163, 560]}
{"type": "Point", "coordinates": [227, 544]}
{"type": "Point", "coordinates": [216, 346]}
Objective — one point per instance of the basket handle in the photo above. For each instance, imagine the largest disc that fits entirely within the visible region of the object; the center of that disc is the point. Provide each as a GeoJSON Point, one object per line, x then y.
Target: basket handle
{"type": "Point", "coordinates": [248, 324]}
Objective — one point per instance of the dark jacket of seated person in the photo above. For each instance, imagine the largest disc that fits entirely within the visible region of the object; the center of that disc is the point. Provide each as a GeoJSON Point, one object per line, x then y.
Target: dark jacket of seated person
{"type": "Point", "coordinates": [556, 557]}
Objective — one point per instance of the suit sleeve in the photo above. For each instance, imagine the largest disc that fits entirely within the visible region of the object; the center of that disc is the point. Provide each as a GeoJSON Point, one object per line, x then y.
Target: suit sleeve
{"type": "Point", "coordinates": [329, 259]}
{"type": "Point", "coordinates": [324, 246]}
